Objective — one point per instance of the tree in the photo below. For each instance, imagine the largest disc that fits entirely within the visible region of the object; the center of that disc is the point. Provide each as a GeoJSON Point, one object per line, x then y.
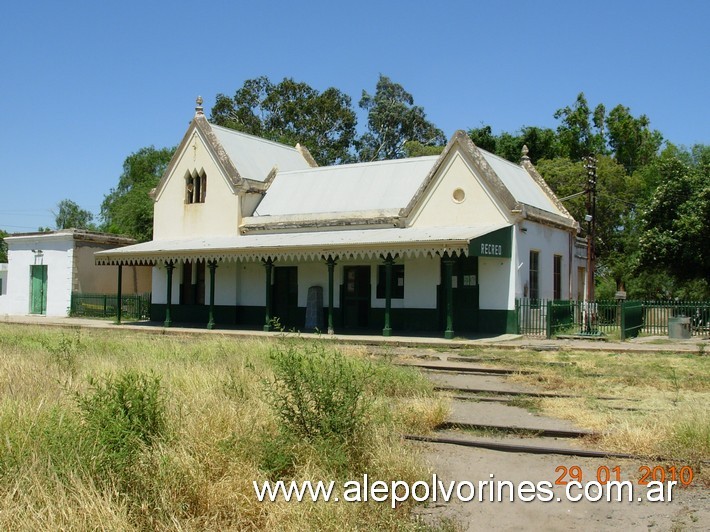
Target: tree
{"type": "Point", "coordinates": [70, 215]}
{"type": "Point", "coordinates": [484, 138]}
{"type": "Point", "coordinates": [675, 224]}
{"type": "Point", "coordinates": [3, 246]}
{"type": "Point", "coordinates": [292, 112]}
{"type": "Point", "coordinates": [632, 141]}
{"type": "Point", "coordinates": [616, 194]}
{"type": "Point", "coordinates": [128, 208]}
{"type": "Point", "coordinates": [581, 131]}
{"type": "Point", "coordinates": [542, 143]}
{"type": "Point", "coordinates": [392, 121]}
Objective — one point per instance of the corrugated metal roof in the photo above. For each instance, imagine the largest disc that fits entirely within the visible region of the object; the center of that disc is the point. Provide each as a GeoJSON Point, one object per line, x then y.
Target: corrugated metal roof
{"type": "Point", "coordinates": [360, 242]}
{"type": "Point", "coordinates": [254, 157]}
{"type": "Point", "coordinates": [376, 186]}
{"type": "Point", "coordinates": [520, 184]}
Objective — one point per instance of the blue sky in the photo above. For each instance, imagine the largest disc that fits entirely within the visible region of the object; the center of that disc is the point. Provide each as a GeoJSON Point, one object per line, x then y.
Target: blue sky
{"type": "Point", "coordinates": [85, 83]}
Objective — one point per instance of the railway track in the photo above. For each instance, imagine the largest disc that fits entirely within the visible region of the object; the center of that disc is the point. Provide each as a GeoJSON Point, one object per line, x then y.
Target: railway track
{"type": "Point", "coordinates": [487, 414]}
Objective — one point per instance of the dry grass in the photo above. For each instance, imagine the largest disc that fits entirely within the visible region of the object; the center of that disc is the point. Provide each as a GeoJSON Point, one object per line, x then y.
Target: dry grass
{"type": "Point", "coordinates": [199, 476]}
{"type": "Point", "coordinates": [659, 401]}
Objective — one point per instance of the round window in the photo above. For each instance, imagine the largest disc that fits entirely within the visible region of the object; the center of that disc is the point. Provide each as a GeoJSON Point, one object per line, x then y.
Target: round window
{"type": "Point", "coordinates": [459, 195]}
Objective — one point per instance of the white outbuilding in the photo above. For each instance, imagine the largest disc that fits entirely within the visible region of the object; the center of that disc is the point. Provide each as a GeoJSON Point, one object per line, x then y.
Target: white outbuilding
{"type": "Point", "coordinates": [45, 268]}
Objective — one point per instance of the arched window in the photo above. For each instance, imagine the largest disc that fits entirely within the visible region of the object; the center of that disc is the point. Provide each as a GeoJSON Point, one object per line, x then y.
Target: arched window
{"type": "Point", "coordinates": [195, 187]}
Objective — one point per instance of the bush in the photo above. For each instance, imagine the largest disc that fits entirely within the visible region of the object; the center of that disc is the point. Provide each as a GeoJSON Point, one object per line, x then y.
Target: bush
{"type": "Point", "coordinates": [318, 396]}
{"type": "Point", "coordinates": [122, 414]}
{"type": "Point", "coordinates": [318, 393]}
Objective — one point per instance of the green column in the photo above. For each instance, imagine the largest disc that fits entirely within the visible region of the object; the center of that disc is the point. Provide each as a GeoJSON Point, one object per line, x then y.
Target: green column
{"type": "Point", "coordinates": [118, 294]}
{"type": "Point", "coordinates": [169, 266]}
{"type": "Point", "coordinates": [331, 269]}
{"type": "Point", "coordinates": [268, 267]}
{"type": "Point", "coordinates": [212, 265]}
{"type": "Point", "coordinates": [448, 263]}
{"type": "Point", "coordinates": [389, 261]}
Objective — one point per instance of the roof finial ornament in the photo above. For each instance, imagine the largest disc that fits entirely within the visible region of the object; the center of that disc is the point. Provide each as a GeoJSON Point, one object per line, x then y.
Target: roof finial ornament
{"type": "Point", "coordinates": [524, 152]}
{"type": "Point", "coordinates": [198, 108]}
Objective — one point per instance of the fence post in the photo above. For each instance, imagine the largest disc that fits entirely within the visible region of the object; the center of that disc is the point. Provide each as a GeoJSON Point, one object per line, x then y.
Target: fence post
{"type": "Point", "coordinates": [622, 311]}
{"type": "Point", "coordinates": [517, 316]}
{"type": "Point", "coordinates": [548, 320]}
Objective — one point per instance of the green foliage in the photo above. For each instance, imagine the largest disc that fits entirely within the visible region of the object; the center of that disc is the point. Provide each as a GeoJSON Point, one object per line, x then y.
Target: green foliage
{"type": "Point", "coordinates": [318, 392]}
{"type": "Point", "coordinates": [581, 131]}
{"type": "Point", "coordinates": [3, 246]}
{"type": "Point", "coordinates": [541, 142]}
{"type": "Point", "coordinates": [292, 112]}
{"type": "Point", "coordinates": [633, 143]}
{"type": "Point", "coordinates": [675, 225]}
{"type": "Point", "coordinates": [64, 352]}
{"type": "Point", "coordinates": [122, 414]}
{"type": "Point", "coordinates": [70, 215]}
{"type": "Point", "coordinates": [392, 121]}
{"type": "Point", "coordinates": [128, 208]}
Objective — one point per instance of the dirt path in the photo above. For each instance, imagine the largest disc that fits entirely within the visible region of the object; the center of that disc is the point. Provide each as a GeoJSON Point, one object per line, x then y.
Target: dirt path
{"type": "Point", "coordinates": [688, 509]}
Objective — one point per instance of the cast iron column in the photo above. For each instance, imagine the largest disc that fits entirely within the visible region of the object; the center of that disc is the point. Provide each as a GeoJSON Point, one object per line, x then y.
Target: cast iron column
{"type": "Point", "coordinates": [389, 261]}
{"type": "Point", "coordinates": [118, 294]}
{"type": "Point", "coordinates": [212, 265]}
{"type": "Point", "coordinates": [268, 267]}
{"type": "Point", "coordinates": [331, 268]}
{"type": "Point", "coordinates": [448, 263]}
{"type": "Point", "coordinates": [169, 266]}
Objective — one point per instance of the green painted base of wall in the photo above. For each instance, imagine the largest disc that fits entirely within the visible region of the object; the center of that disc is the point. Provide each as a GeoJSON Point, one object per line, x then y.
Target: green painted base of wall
{"type": "Point", "coordinates": [401, 320]}
{"type": "Point", "coordinates": [497, 322]}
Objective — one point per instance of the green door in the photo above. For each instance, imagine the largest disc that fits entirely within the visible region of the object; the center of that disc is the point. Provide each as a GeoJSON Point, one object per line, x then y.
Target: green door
{"type": "Point", "coordinates": [465, 291]}
{"type": "Point", "coordinates": [466, 295]}
{"type": "Point", "coordinates": [38, 287]}
{"type": "Point", "coordinates": [355, 299]}
{"type": "Point", "coordinates": [285, 297]}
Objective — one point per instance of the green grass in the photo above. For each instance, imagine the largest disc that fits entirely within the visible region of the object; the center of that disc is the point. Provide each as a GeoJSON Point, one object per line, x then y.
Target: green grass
{"type": "Point", "coordinates": [127, 431]}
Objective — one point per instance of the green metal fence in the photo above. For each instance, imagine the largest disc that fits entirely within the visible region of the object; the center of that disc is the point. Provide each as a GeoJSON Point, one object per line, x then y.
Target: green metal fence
{"type": "Point", "coordinates": [657, 314]}
{"type": "Point", "coordinates": [133, 306]}
{"type": "Point", "coordinates": [548, 318]}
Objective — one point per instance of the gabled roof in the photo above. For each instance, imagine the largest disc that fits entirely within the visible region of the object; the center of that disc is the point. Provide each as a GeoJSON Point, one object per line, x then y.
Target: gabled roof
{"type": "Point", "coordinates": [386, 192]}
{"type": "Point", "coordinates": [239, 156]}
{"type": "Point", "coordinates": [517, 180]}
{"type": "Point", "coordinates": [255, 157]}
{"type": "Point", "coordinates": [383, 186]}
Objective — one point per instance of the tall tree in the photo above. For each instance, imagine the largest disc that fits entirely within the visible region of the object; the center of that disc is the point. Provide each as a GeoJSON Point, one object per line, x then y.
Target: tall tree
{"type": "Point", "coordinates": [70, 215]}
{"type": "Point", "coordinates": [675, 225]}
{"type": "Point", "coordinates": [128, 208]}
{"type": "Point", "coordinates": [392, 121]}
{"type": "Point", "coordinates": [581, 131]}
{"type": "Point", "coordinates": [484, 138]}
{"type": "Point", "coordinates": [542, 143]}
{"type": "Point", "coordinates": [292, 112]}
{"type": "Point", "coordinates": [616, 196]}
{"type": "Point", "coordinates": [631, 139]}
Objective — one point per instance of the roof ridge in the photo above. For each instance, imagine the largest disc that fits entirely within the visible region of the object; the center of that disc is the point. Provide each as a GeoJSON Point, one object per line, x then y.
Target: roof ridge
{"type": "Point", "coordinates": [363, 164]}
{"type": "Point", "coordinates": [254, 137]}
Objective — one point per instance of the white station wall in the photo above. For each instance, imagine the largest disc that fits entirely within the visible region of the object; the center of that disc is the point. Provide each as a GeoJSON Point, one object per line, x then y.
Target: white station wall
{"type": "Point", "coordinates": [549, 242]}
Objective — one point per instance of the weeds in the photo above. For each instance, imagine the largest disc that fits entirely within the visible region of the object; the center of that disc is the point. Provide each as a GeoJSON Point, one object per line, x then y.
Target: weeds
{"type": "Point", "coordinates": [122, 414]}
{"type": "Point", "coordinates": [117, 451]}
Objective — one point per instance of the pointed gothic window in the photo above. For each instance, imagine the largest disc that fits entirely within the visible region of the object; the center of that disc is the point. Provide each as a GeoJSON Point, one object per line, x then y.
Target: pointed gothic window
{"type": "Point", "coordinates": [195, 187]}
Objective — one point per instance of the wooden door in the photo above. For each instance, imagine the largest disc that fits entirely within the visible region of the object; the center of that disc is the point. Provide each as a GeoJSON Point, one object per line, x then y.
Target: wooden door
{"type": "Point", "coordinates": [356, 297]}
{"type": "Point", "coordinates": [38, 289]}
{"type": "Point", "coordinates": [285, 297]}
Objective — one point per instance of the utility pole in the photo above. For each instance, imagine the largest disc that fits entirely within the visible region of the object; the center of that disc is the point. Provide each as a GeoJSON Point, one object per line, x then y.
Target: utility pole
{"type": "Point", "coordinates": [591, 166]}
